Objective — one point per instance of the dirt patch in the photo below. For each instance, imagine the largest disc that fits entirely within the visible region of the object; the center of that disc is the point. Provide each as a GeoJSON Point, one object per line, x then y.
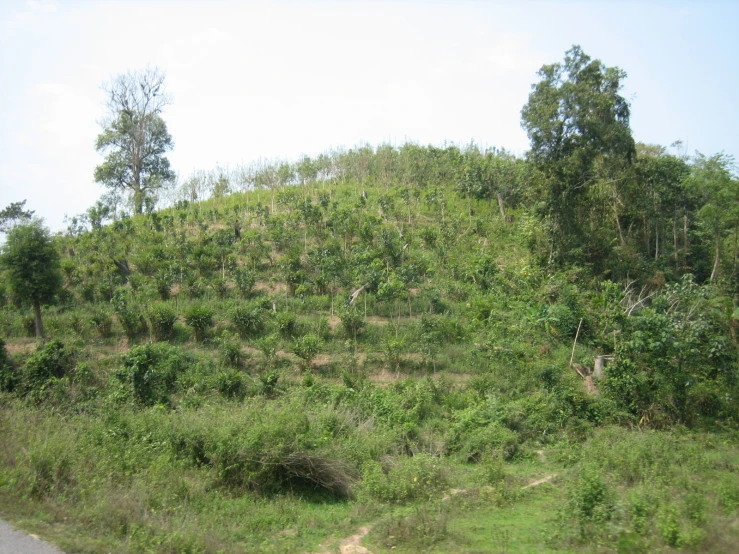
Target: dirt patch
{"type": "Point", "coordinates": [333, 323]}
{"type": "Point", "coordinates": [20, 347]}
{"type": "Point", "coordinates": [321, 360]}
{"type": "Point", "coordinates": [453, 492]}
{"type": "Point", "coordinates": [264, 286]}
{"type": "Point", "coordinates": [539, 482]}
{"type": "Point", "coordinates": [385, 376]}
{"type": "Point", "coordinates": [590, 385]}
{"type": "Point", "coordinates": [377, 320]}
{"type": "Point", "coordinates": [350, 545]}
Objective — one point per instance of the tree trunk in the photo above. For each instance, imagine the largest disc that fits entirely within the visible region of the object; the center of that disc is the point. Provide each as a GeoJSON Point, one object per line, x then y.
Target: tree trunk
{"type": "Point", "coordinates": [37, 317]}
{"type": "Point", "coordinates": [674, 242]}
{"type": "Point", "coordinates": [717, 258]}
{"type": "Point", "coordinates": [501, 206]}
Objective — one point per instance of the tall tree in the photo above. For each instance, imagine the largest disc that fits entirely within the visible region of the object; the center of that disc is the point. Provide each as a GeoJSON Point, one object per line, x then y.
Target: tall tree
{"type": "Point", "coordinates": [13, 215]}
{"type": "Point", "coordinates": [577, 123]}
{"type": "Point", "coordinates": [32, 265]}
{"type": "Point", "coordinates": [135, 137]}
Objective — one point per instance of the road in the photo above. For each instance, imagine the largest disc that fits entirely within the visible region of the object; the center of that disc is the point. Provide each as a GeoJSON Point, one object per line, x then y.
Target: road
{"type": "Point", "coordinates": [15, 542]}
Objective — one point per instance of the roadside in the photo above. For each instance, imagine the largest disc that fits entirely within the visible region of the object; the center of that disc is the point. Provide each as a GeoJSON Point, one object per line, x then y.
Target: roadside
{"type": "Point", "coordinates": [13, 541]}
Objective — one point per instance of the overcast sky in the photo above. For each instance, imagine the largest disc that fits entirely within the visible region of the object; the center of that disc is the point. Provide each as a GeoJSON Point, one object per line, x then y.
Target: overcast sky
{"type": "Point", "coordinates": [281, 79]}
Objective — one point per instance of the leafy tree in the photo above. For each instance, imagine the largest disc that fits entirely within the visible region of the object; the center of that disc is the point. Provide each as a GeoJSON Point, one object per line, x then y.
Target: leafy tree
{"type": "Point", "coordinates": [712, 181]}
{"type": "Point", "coordinates": [577, 123]}
{"type": "Point", "coordinates": [13, 215]}
{"type": "Point", "coordinates": [33, 267]}
{"type": "Point", "coordinates": [135, 137]}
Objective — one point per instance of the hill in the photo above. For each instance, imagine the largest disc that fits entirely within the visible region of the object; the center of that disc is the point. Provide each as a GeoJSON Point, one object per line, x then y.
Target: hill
{"type": "Point", "coordinates": [374, 343]}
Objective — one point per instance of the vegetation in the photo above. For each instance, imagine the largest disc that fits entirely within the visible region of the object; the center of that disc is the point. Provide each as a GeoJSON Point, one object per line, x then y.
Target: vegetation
{"type": "Point", "coordinates": [426, 343]}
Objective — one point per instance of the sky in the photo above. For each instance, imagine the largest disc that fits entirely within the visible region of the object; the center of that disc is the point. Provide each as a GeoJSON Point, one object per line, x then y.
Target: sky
{"type": "Point", "coordinates": [279, 79]}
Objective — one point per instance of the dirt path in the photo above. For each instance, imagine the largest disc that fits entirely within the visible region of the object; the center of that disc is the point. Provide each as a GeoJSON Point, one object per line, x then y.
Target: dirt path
{"type": "Point", "coordinates": [350, 545]}
{"type": "Point", "coordinates": [15, 542]}
{"type": "Point", "coordinates": [539, 482]}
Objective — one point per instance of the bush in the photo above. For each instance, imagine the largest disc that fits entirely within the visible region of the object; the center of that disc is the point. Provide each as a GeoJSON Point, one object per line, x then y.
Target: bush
{"type": "Point", "coordinates": [51, 361]}
{"type": "Point", "coordinates": [352, 322]}
{"type": "Point", "coordinates": [405, 480]}
{"type": "Point", "coordinates": [200, 318]}
{"type": "Point", "coordinates": [248, 320]}
{"type": "Point", "coordinates": [286, 323]}
{"type": "Point", "coordinates": [307, 348]}
{"type": "Point", "coordinates": [268, 347]}
{"type": "Point", "coordinates": [8, 375]}
{"type": "Point", "coordinates": [149, 372]}
{"type": "Point", "coordinates": [128, 315]}
{"type": "Point", "coordinates": [245, 281]}
{"type": "Point", "coordinates": [103, 323]}
{"type": "Point", "coordinates": [230, 350]}
{"type": "Point", "coordinates": [162, 318]}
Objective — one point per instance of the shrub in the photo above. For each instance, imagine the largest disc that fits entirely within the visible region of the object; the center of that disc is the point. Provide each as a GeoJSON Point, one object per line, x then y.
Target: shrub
{"type": "Point", "coordinates": [405, 480]}
{"type": "Point", "coordinates": [53, 360]}
{"type": "Point", "coordinates": [268, 347]}
{"type": "Point", "coordinates": [248, 320]}
{"type": "Point", "coordinates": [591, 497]}
{"type": "Point", "coordinates": [162, 318]}
{"type": "Point", "coordinates": [307, 348]}
{"type": "Point", "coordinates": [230, 350]}
{"type": "Point", "coordinates": [132, 322]}
{"type": "Point", "coordinates": [286, 323]}
{"type": "Point", "coordinates": [245, 281]}
{"type": "Point", "coordinates": [103, 323]}
{"type": "Point", "coordinates": [352, 322]}
{"type": "Point", "coordinates": [149, 372]}
{"type": "Point", "coordinates": [220, 287]}
{"type": "Point", "coordinates": [8, 375]}
{"type": "Point", "coordinates": [200, 318]}
{"type": "Point", "coordinates": [231, 384]}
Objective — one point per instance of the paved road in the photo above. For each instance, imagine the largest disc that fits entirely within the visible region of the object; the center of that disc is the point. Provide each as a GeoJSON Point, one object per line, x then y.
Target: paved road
{"type": "Point", "coordinates": [15, 542]}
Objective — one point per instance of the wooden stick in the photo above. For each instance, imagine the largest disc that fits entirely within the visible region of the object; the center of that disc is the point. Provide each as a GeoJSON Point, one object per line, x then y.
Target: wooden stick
{"type": "Point", "coordinates": [574, 344]}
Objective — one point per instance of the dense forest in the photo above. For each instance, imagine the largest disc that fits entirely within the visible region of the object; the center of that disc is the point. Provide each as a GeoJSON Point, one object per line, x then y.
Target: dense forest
{"type": "Point", "coordinates": [419, 348]}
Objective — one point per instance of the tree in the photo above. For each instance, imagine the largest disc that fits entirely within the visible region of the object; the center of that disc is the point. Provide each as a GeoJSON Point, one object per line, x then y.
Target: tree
{"type": "Point", "coordinates": [13, 215]}
{"type": "Point", "coordinates": [33, 266]}
{"type": "Point", "coordinates": [578, 125]}
{"type": "Point", "coordinates": [135, 137]}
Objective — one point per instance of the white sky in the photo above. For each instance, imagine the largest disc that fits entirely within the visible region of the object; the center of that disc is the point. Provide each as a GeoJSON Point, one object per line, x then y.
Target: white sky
{"type": "Point", "coordinates": [279, 79]}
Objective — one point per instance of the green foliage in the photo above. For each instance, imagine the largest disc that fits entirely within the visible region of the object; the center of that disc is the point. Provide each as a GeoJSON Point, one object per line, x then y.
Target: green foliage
{"type": "Point", "coordinates": [200, 318]}
{"type": "Point", "coordinates": [51, 361]}
{"type": "Point", "coordinates": [149, 372]}
{"type": "Point", "coordinates": [32, 266]}
{"type": "Point", "coordinates": [128, 314]}
{"type": "Point", "coordinates": [352, 322]}
{"type": "Point", "coordinates": [286, 323]}
{"type": "Point", "coordinates": [404, 480]}
{"type": "Point", "coordinates": [103, 323]}
{"type": "Point", "coordinates": [135, 138]}
{"type": "Point", "coordinates": [230, 350]}
{"type": "Point", "coordinates": [307, 348]}
{"type": "Point", "coordinates": [8, 375]}
{"type": "Point", "coordinates": [162, 318]}
{"type": "Point", "coordinates": [245, 281]}
{"type": "Point", "coordinates": [578, 124]}
{"type": "Point", "coordinates": [249, 320]}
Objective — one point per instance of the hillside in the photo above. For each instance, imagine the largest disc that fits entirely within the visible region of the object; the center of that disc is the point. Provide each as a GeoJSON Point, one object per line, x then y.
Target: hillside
{"type": "Point", "coordinates": [381, 352]}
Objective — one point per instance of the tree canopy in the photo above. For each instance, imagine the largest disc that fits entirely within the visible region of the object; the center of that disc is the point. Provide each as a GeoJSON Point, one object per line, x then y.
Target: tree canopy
{"type": "Point", "coordinates": [135, 137]}
{"type": "Point", "coordinates": [578, 124]}
{"type": "Point", "coordinates": [32, 265]}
